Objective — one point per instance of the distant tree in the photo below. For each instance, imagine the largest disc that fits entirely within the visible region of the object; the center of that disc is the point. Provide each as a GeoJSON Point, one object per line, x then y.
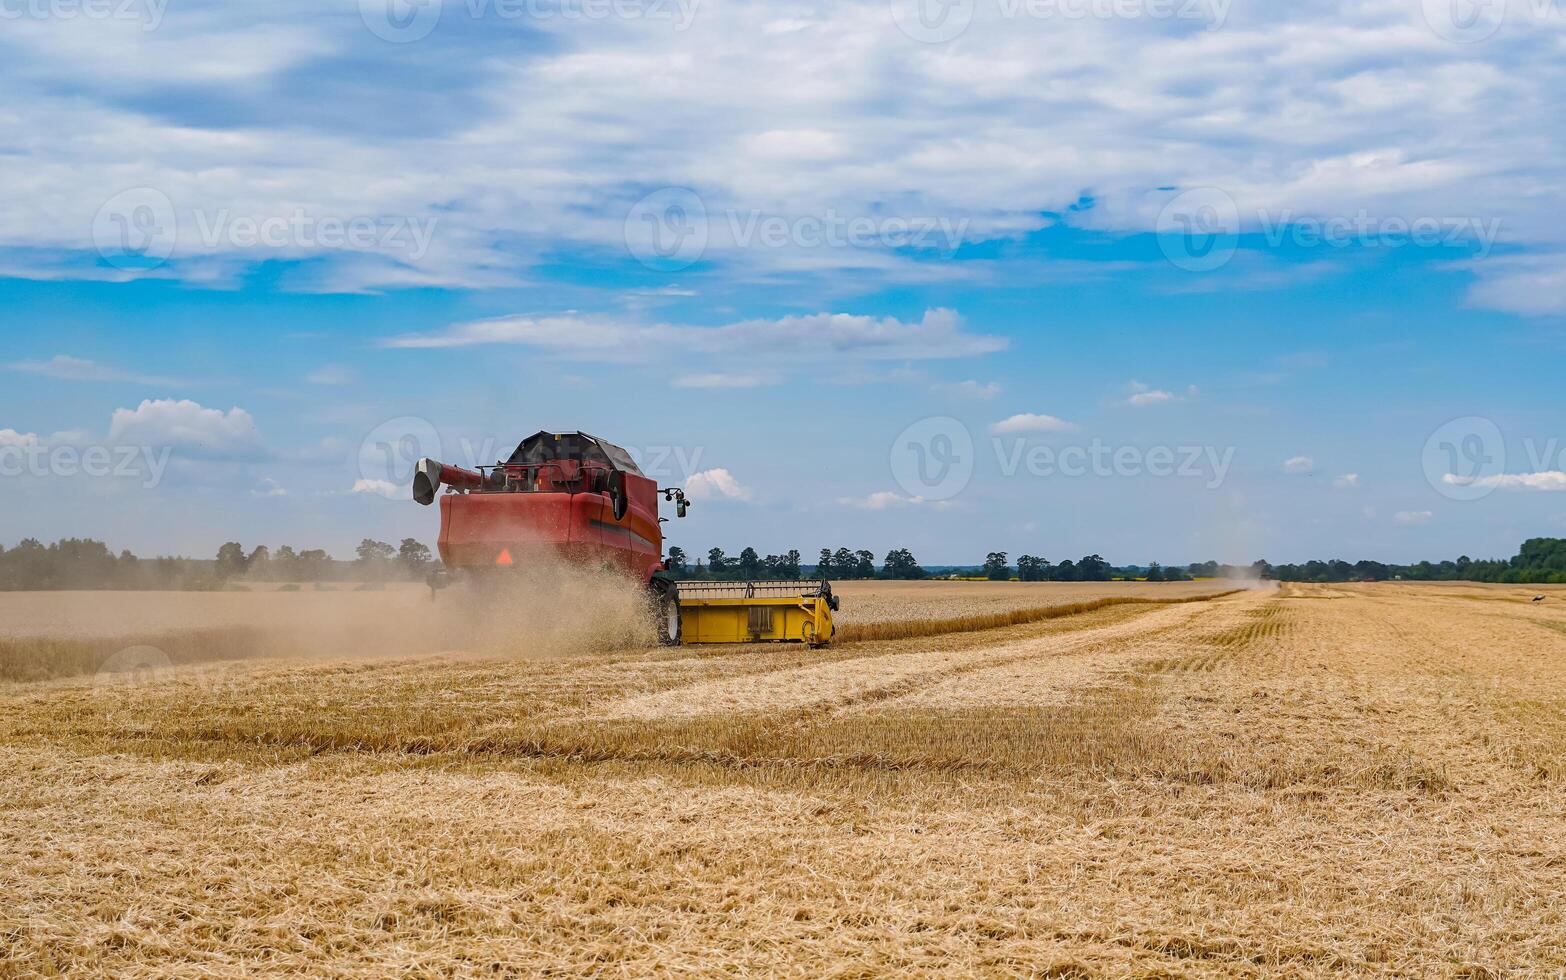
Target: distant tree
{"type": "Point", "coordinates": [678, 563]}
{"type": "Point", "coordinates": [900, 564]}
{"type": "Point", "coordinates": [1155, 572]}
{"type": "Point", "coordinates": [995, 567]}
{"type": "Point", "coordinates": [845, 563]}
{"type": "Point", "coordinates": [1032, 569]}
{"type": "Point", "coordinates": [1066, 571]}
{"type": "Point", "coordinates": [1093, 569]}
{"type": "Point", "coordinates": [864, 564]}
{"type": "Point", "coordinates": [231, 559]}
{"type": "Point", "coordinates": [718, 563]}
{"type": "Point", "coordinates": [790, 564]}
{"type": "Point", "coordinates": [414, 556]}
{"type": "Point", "coordinates": [824, 567]}
{"type": "Point", "coordinates": [370, 550]}
{"type": "Point", "coordinates": [749, 563]}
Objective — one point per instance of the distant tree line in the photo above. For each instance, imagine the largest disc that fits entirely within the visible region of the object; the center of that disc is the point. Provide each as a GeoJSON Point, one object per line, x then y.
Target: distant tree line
{"type": "Point", "coordinates": [83, 563]}
{"type": "Point", "coordinates": [844, 563]}
{"type": "Point", "coordinates": [1538, 561]}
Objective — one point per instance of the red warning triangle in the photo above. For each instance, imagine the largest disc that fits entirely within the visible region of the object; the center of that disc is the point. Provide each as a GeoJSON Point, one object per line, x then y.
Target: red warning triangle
{"type": "Point", "coordinates": [504, 558]}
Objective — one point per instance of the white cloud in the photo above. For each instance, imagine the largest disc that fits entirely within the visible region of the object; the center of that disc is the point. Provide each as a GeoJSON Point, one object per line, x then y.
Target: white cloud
{"type": "Point", "coordinates": [64, 367]}
{"type": "Point", "coordinates": [1027, 422]}
{"type": "Point", "coordinates": [1153, 396]}
{"type": "Point", "coordinates": [1299, 464]}
{"type": "Point", "coordinates": [1413, 516]}
{"type": "Point", "coordinates": [20, 440]}
{"type": "Point", "coordinates": [330, 374]}
{"type": "Point", "coordinates": [722, 381]}
{"type": "Point", "coordinates": [1140, 395]}
{"type": "Point", "coordinates": [1549, 480]}
{"type": "Point", "coordinates": [1341, 107]}
{"type": "Point", "coordinates": [815, 337]}
{"type": "Point", "coordinates": [716, 484]}
{"type": "Point", "coordinates": [1346, 481]}
{"type": "Point", "coordinates": [269, 488]}
{"type": "Point", "coordinates": [887, 500]}
{"type": "Point", "coordinates": [381, 488]}
{"type": "Point", "coordinates": [1533, 285]}
{"type": "Point", "coordinates": [970, 389]}
{"type": "Point", "coordinates": [187, 425]}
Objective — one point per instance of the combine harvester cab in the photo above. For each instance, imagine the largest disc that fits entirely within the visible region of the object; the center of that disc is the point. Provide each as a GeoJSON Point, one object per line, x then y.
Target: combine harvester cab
{"type": "Point", "coordinates": [583, 500]}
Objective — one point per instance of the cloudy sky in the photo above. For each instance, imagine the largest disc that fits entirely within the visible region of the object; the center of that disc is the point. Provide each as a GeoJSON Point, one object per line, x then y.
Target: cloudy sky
{"type": "Point", "coordinates": [1162, 279]}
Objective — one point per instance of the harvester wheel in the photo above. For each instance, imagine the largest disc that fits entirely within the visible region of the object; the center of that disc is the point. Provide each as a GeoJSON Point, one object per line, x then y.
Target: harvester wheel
{"type": "Point", "coordinates": [664, 597]}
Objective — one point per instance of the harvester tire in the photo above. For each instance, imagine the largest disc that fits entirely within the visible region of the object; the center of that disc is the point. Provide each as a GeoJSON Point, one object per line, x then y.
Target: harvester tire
{"type": "Point", "coordinates": [664, 599]}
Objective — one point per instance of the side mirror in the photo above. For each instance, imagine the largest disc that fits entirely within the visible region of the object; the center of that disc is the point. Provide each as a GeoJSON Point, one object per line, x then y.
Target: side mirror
{"type": "Point", "coordinates": [680, 508]}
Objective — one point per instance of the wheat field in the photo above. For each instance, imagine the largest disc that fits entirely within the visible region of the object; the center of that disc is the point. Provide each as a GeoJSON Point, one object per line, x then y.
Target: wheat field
{"type": "Point", "coordinates": [1282, 780]}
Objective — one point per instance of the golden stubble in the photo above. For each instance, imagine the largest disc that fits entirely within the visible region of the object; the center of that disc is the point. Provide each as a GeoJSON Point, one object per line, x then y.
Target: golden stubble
{"type": "Point", "coordinates": [1299, 781]}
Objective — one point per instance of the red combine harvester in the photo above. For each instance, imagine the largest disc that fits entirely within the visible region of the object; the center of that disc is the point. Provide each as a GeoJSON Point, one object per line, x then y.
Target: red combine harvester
{"type": "Point", "coordinates": [568, 491]}
{"type": "Point", "coordinates": [588, 502]}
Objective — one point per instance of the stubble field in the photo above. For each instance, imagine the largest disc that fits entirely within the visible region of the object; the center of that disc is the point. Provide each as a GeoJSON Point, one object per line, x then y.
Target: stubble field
{"type": "Point", "coordinates": [1297, 780]}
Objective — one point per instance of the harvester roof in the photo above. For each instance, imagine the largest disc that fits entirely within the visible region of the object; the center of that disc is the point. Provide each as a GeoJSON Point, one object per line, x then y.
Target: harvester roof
{"type": "Point", "coordinates": [550, 447]}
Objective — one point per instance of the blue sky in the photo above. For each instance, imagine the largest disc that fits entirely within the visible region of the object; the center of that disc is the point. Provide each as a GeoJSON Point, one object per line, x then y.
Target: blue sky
{"type": "Point", "coordinates": [255, 260]}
